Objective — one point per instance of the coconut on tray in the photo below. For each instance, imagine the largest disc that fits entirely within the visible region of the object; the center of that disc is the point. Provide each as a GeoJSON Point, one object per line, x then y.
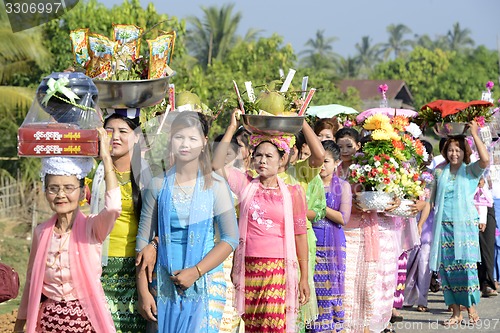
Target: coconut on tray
{"type": "Point", "coordinates": [277, 109]}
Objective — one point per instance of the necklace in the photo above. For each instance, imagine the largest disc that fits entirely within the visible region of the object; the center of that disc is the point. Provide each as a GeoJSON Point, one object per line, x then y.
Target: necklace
{"type": "Point", "coordinates": [180, 187]}
{"type": "Point", "coordinates": [58, 253]}
{"type": "Point", "coordinates": [122, 177]}
{"type": "Point", "coordinates": [183, 195]}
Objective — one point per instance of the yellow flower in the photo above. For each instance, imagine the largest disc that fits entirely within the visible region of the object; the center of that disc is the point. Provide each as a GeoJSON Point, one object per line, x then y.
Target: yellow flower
{"type": "Point", "coordinates": [379, 134]}
{"type": "Point", "coordinates": [377, 121]}
{"type": "Point", "coordinates": [399, 155]}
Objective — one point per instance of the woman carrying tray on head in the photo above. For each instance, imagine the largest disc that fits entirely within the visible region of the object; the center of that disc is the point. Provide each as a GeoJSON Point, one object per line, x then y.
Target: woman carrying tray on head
{"type": "Point", "coordinates": [184, 208]}
{"type": "Point", "coordinates": [330, 264]}
{"type": "Point", "coordinates": [273, 241]}
{"type": "Point", "coordinates": [63, 292]}
{"type": "Point", "coordinates": [362, 246]}
{"type": "Point", "coordinates": [119, 250]}
{"type": "Point", "coordinates": [455, 247]}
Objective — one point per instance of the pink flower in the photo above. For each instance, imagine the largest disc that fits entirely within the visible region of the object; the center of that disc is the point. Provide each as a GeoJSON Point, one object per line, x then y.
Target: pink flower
{"type": "Point", "coordinates": [349, 123]}
{"type": "Point", "coordinates": [490, 85]}
{"type": "Point", "coordinates": [383, 88]}
{"type": "Point", "coordinates": [480, 121]}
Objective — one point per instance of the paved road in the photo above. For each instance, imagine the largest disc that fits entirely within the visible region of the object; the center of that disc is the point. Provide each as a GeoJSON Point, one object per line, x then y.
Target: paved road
{"type": "Point", "coordinates": [431, 322]}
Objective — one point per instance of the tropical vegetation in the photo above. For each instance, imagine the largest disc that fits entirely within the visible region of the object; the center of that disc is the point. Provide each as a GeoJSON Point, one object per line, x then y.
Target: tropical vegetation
{"type": "Point", "coordinates": [210, 54]}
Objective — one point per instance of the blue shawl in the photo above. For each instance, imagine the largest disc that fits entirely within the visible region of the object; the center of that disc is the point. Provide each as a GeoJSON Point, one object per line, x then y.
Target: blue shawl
{"type": "Point", "coordinates": [200, 222]}
{"type": "Point", "coordinates": [464, 212]}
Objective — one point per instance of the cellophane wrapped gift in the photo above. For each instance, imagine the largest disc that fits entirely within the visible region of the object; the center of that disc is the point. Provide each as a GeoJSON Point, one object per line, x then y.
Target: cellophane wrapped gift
{"type": "Point", "coordinates": [63, 118]}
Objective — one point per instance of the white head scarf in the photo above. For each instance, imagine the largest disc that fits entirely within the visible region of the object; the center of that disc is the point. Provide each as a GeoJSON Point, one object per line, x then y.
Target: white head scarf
{"type": "Point", "coordinates": [66, 166]}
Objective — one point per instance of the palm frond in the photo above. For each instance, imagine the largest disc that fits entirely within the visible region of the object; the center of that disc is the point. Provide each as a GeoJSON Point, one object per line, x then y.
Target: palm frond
{"type": "Point", "coordinates": [15, 98]}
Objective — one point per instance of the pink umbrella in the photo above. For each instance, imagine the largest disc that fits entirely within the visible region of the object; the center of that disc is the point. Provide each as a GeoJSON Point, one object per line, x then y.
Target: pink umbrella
{"type": "Point", "coordinates": [390, 112]}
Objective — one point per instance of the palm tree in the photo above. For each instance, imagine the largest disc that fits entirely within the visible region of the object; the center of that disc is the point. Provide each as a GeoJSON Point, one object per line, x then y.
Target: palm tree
{"type": "Point", "coordinates": [459, 39]}
{"type": "Point", "coordinates": [320, 54]}
{"type": "Point", "coordinates": [397, 43]}
{"type": "Point", "coordinates": [368, 55]}
{"type": "Point", "coordinates": [440, 42]}
{"type": "Point", "coordinates": [348, 68]}
{"type": "Point", "coordinates": [213, 36]}
{"type": "Point", "coordinates": [21, 55]}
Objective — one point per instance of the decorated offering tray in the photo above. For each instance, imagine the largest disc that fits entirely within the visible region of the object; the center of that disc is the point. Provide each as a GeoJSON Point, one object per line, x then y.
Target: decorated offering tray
{"type": "Point", "coordinates": [132, 93]}
{"type": "Point", "coordinates": [445, 130]}
{"type": "Point", "coordinates": [374, 200]}
{"type": "Point", "coordinates": [63, 118]}
{"type": "Point", "coordinates": [273, 125]}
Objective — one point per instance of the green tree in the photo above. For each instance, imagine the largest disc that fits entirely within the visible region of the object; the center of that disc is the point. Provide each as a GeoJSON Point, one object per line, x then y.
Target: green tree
{"type": "Point", "coordinates": [211, 37]}
{"type": "Point", "coordinates": [426, 42]}
{"type": "Point", "coordinates": [467, 75]}
{"type": "Point", "coordinates": [348, 68]}
{"type": "Point", "coordinates": [397, 43]}
{"type": "Point", "coordinates": [320, 54]}
{"type": "Point", "coordinates": [22, 58]}
{"type": "Point", "coordinates": [422, 71]}
{"type": "Point", "coordinates": [459, 39]}
{"type": "Point", "coordinates": [367, 55]}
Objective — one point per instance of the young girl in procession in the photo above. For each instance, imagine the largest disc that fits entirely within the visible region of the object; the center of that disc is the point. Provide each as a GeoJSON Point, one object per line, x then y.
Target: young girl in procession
{"type": "Point", "coordinates": [331, 245]}
{"type": "Point", "coordinates": [272, 239]}
{"type": "Point", "coordinates": [455, 248]}
{"type": "Point", "coordinates": [326, 128]}
{"type": "Point", "coordinates": [184, 208]}
{"type": "Point", "coordinates": [316, 207]}
{"type": "Point", "coordinates": [118, 257]}
{"type": "Point", "coordinates": [63, 292]}
{"type": "Point", "coordinates": [362, 246]}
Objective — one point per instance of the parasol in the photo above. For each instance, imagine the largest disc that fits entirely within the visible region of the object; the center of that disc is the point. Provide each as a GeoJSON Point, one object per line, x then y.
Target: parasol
{"type": "Point", "coordinates": [329, 111]}
{"type": "Point", "coordinates": [447, 107]}
{"type": "Point", "coordinates": [390, 112]}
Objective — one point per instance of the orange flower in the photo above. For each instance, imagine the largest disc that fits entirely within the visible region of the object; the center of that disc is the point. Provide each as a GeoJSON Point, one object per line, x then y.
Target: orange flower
{"type": "Point", "coordinates": [398, 145]}
{"type": "Point", "coordinates": [400, 122]}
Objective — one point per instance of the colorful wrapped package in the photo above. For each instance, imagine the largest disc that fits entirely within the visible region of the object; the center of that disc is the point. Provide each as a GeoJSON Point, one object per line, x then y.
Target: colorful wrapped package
{"type": "Point", "coordinates": [62, 119]}
{"type": "Point", "coordinates": [160, 54]}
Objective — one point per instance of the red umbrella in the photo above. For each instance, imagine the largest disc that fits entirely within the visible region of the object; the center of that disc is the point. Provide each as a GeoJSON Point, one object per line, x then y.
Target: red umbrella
{"type": "Point", "coordinates": [390, 112]}
{"type": "Point", "coordinates": [447, 107]}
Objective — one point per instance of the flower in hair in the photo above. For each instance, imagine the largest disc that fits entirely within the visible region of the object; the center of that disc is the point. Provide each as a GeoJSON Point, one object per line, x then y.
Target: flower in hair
{"type": "Point", "coordinates": [282, 142]}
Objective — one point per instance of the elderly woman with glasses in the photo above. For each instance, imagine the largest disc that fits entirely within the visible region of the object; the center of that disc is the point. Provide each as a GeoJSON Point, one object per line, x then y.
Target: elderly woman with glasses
{"type": "Point", "coordinates": [63, 291]}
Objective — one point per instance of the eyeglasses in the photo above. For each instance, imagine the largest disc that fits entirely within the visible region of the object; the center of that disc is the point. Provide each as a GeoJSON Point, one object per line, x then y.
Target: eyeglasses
{"type": "Point", "coordinates": [67, 189]}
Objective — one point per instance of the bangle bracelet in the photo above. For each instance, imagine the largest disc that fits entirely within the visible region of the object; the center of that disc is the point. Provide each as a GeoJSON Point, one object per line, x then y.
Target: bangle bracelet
{"type": "Point", "coordinates": [299, 259]}
{"type": "Point", "coordinates": [199, 271]}
{"type": "Point", "coordinates": [108, 172]}
{"type": "Point", "coordinates": [154, 244]}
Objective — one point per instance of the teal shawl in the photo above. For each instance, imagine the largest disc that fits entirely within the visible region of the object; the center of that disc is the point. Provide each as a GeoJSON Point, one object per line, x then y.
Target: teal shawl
{"type": "Point", "coordinates": [463, 212]}
{"type": "Point", "coordinates": [200, 222]}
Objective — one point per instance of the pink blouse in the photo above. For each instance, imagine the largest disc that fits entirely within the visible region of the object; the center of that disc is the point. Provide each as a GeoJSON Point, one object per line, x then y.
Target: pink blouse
{"type": "Point", "coordinates": [266, 220]}
{"type": "Point", "coordinates": [57, 282]}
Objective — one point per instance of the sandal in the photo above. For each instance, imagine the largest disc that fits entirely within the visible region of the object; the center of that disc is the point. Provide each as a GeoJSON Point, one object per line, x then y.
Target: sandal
{"type": "Point", "coordinates": [473, 317]}
{"type": "Point", "coordinates": [422, 308]}
{"type": "Point", "coordinates": [453, 321]}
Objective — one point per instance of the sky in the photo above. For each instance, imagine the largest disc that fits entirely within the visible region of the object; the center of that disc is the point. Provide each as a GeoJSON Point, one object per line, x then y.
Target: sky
{"type": "Point", "coordinates": [348, 21]}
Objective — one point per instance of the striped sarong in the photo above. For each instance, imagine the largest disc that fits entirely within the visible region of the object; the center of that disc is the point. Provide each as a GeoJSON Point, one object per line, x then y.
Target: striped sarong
{"type": "Point", "coordinates": [264, 295]}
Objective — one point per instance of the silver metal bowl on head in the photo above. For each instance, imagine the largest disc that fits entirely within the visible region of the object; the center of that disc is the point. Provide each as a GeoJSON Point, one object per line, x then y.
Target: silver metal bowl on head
{"type": "Point", "coordinates": [445, 130]}
{"type": "Point", "coordinates": [131, 94]}
{"type": "Point", "coordinates": [272, 125]}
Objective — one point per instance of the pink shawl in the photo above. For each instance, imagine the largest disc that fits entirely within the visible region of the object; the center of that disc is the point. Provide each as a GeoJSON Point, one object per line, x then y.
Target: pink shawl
{"type": "Point", "coordinates": [291, 265]}
{"type": "Point", "coordinates": [85, 265]}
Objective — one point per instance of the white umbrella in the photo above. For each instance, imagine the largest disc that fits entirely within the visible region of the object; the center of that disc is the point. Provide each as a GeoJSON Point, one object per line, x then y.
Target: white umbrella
{"type": "Point", "coordinates": [330, 110]}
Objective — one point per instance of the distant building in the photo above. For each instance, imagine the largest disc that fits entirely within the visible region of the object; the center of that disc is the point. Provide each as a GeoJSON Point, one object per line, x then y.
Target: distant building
{"type": "Point", "coordinates": [398, 94]}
